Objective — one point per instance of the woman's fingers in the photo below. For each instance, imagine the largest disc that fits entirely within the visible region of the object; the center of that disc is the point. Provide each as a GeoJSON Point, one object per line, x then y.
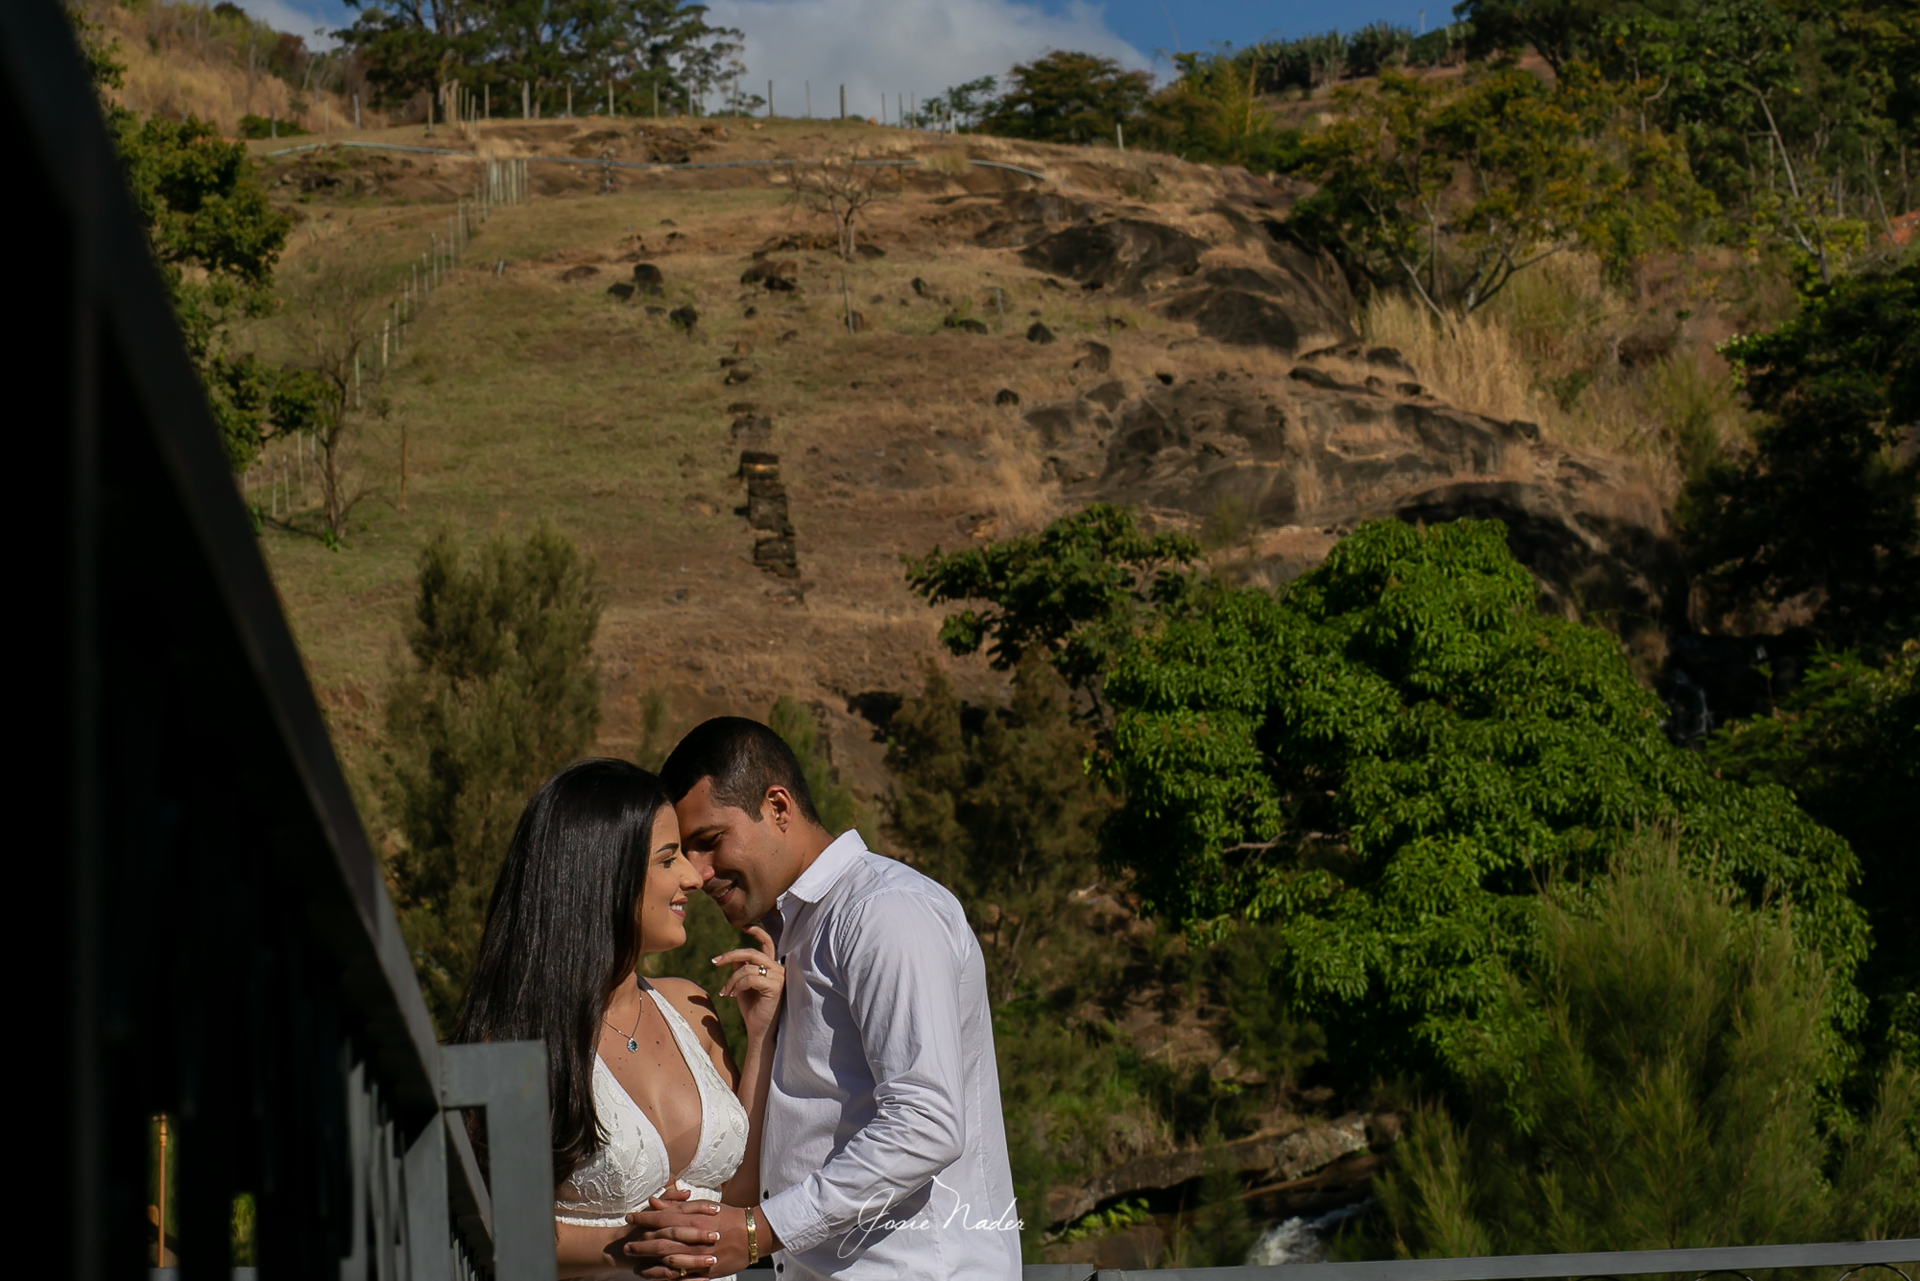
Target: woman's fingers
{"type": "Point", "coordinates": [742, 956]}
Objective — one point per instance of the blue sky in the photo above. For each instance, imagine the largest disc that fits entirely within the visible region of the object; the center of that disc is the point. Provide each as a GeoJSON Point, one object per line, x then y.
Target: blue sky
{"type": "Point", "coordinates": [919, 47]}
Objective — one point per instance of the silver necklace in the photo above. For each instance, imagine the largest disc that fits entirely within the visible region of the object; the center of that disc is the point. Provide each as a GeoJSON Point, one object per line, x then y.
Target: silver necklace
{"type": "Point", "coordinates": [633, 1046]}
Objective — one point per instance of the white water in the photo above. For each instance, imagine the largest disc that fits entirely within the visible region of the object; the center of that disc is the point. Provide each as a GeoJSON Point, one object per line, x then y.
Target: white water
{"type": "Point", "coordinates": [1299, 1240]}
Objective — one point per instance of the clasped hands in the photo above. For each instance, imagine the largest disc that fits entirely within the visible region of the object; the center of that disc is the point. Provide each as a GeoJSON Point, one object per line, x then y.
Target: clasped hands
{"type": "Point", "coordinates": [678, 1237]}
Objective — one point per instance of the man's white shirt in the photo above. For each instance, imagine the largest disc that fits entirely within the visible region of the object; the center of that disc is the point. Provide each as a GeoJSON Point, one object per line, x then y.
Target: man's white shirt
{"type": "Point", "coordinates": [885, 1155]}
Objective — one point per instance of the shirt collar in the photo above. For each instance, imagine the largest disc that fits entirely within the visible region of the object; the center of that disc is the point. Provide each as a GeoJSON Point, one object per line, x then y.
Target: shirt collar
{"type": "Point", "coordinates": [813, 884]}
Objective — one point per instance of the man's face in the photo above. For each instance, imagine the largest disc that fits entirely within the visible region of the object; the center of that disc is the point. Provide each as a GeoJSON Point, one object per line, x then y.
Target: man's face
{"type": "Point", "coordinates": [746, 864]}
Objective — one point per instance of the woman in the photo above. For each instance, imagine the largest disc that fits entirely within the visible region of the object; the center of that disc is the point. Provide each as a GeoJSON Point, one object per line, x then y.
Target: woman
{"type": "Point", "coordinates": [644, 1094]}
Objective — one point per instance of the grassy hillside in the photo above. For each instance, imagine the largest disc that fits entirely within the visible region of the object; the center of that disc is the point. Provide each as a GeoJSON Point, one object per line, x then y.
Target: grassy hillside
{"type": "Point", "coordinates": [523, 395]}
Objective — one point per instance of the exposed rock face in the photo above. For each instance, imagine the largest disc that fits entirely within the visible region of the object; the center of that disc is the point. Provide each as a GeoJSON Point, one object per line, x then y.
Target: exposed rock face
{"type": "Point", "coordinates": [1126, 255]}
{"type": "Point", "coordinates": [1235, 273]}
{"type": "Point", "coordinates": [1270, 1158]}
{"type": "Point", "coordinates": [1317, 451]}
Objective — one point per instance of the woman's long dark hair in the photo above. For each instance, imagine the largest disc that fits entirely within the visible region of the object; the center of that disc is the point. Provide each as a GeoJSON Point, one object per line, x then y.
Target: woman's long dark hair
{"type": "Point", "coordinates": [561, 934]}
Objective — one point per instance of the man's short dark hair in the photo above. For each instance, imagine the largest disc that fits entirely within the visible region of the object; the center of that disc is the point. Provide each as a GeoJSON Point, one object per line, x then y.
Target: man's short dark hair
{"type": "Point", "coordinates": [743, 758]}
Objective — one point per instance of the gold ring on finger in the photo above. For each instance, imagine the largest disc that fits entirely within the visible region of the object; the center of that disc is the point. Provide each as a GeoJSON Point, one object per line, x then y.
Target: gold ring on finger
{"type": "Point", "coordinates": [763, 971]}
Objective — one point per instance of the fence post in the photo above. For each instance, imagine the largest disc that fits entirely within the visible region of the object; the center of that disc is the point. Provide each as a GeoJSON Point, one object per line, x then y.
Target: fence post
{"type": "Point", "coordinates": [843, 102]}
{"type": "Point", "coordinates": [769, 99]}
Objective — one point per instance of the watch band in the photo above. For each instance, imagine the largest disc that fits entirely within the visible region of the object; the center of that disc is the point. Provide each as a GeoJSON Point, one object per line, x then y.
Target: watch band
{"type": "Point", "coordinates": [753, 1244]}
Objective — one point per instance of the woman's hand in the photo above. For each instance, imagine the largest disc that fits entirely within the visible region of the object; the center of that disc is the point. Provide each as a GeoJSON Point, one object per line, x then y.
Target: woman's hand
{"type": "Point", "coordinates": [757, 982]}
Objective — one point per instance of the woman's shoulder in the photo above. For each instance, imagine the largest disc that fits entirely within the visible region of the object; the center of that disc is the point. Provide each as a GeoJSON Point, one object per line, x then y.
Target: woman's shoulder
{"type": "Point", "coordinates": [684, 993]}
{"type": "Point", "coordinates": [692, 1003]}
{"type": "Point", "coordinates": [696, 1007]}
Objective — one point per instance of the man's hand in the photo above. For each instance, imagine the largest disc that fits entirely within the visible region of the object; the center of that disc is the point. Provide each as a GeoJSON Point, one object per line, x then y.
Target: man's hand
{"type": "Point", "coordinates": [682, 1238]}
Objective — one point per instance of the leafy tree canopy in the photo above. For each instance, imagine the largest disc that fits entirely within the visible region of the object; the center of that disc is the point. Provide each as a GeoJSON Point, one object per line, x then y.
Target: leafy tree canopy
{"type": "Point", "coordinates": [213, 235]}
{"type": "Point", "coordinates": [1073, 591]}
{"type": "Point", "coordinates": [1067, 97]}
{"type": "Point", "coordinates": [639, 46]}
{"type": "Point", "coordinates": [1449, 188]}
{"type": "Point", "coordinates": [1387, 760]}
{"type": "Point", "coordinates": [1793, 113]}
{"type": "Point", "coordinates": [1826, 505]}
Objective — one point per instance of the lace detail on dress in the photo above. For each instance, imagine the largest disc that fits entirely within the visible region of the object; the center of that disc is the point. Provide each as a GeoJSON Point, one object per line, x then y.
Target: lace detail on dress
{"type": "Point", "coordinates": [633, 1165]}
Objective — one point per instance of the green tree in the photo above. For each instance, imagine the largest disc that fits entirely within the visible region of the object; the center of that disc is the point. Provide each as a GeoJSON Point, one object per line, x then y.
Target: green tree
{"type": "Point", "coordinates": [1664, 1093]}
{"type": "Point", "coordinates": [1450, 188]}
{"type": "Point", "coordinates": [1213, 113]}
{"type": "Point", "coordinates": [1826, 505]}
{"type": "Point", "coordinates": [1067, 97]}
{"type": "Point", "coordinates": [1073, 591]}
{"type": "Point", "coordinates": [961, 105]}
{"type": "Point", "coordinates": [1794, 114]}
{"type": "Point", "coordinates": [1387, 758]}
{"type": "Point", "coordinates": [499, 688]}
{"type": "Point", "coordinates": [1003, 813]}
{"type": "Point", "coordinates": [1847, 742]}
{"type": "Point", "coordinates": [214, 237]}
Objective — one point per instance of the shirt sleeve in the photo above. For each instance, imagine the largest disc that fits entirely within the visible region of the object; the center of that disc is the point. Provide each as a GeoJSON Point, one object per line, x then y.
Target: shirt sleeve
{"type": "Point", "coordinates": [902, 982]}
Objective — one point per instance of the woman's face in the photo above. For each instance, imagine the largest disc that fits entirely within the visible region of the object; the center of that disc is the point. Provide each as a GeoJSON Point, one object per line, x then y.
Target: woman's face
{"type": "Point", "coordinates": [662, 912]}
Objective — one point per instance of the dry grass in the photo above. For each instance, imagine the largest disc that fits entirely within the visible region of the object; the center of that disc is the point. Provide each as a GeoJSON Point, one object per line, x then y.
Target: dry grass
{"type": "Point", "coordinates": [1563, 349]}
{"type": "Point", "coordinates": [178, 66]}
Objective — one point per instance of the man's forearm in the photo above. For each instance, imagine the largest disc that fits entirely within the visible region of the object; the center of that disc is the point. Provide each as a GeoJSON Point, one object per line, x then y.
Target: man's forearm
{"type": "Point", "coordinates": [892, 1158]}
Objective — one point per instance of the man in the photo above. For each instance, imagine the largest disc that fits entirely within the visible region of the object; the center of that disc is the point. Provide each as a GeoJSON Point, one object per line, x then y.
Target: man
{"type": "Point", "coordinates": [883, 1154]}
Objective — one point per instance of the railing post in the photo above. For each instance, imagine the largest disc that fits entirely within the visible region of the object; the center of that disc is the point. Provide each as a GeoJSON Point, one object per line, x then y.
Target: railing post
{"type": "Point", "coordinates": [509, 1080]}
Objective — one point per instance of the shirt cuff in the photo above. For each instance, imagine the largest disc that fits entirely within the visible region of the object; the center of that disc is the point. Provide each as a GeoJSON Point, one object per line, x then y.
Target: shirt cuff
{"type": "Point", "coordinates": [799, 1224]}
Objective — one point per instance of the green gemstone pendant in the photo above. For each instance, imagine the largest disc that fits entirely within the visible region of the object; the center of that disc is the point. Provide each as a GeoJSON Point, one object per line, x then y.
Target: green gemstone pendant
{"type": "Point", "coordinates": [633, 1046]}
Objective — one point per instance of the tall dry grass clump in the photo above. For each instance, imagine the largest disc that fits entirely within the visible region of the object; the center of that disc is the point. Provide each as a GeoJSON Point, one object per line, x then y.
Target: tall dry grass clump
{"type": "Point", "coordinates": [1472, 361]}
{"type": "Point", "coordinates": [1563, 349]}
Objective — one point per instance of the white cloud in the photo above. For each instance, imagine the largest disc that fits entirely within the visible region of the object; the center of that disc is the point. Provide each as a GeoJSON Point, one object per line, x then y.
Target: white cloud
{"type": "Point", "coordinates": [915, 47]}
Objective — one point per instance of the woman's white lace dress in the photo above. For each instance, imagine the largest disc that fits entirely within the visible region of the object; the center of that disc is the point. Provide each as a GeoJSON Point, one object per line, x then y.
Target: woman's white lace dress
{"type": "Point", "coordinates": [633, 1165]}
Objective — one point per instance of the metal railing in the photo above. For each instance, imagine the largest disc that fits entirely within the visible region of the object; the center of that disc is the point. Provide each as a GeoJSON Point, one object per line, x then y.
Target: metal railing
{"type": "Point", "coordinates": [1844, 1258]}
{"type": "Point", "coordinates": [200, 927]}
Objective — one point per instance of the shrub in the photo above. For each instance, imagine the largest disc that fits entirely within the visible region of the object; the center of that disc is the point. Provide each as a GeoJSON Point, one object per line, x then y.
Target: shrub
{"type": "Point", "coordinates": [1826, 506]}
{"type": "Point", "coordinates": [1664, 1093]}
{"type": "Point", "coordinates": [1848, 743]}
{"type": "Point", "coordinates": [499, 688]}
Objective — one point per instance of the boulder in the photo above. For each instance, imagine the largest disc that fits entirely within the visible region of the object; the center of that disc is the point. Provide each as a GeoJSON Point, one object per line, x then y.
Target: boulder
{"type": "Point", "coordinates": [782, 275]}
{"type": "Point", "coordinates": [1099, 357]}
{"type": "Point", "coordinates": [621, 289]}
{"type": "Point", "coordinates": [1006, 396]}
{"type": "Point", "coordinates": [685, 316]}
{"type": "Point", "coordinates": [1037, 332]}
{"type": "Point", "coordinates": [648, 280]}
{"type": "Point", "coordinates": [583, 272]}
{"type": "Point", "coordinates": [1126, 255]}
